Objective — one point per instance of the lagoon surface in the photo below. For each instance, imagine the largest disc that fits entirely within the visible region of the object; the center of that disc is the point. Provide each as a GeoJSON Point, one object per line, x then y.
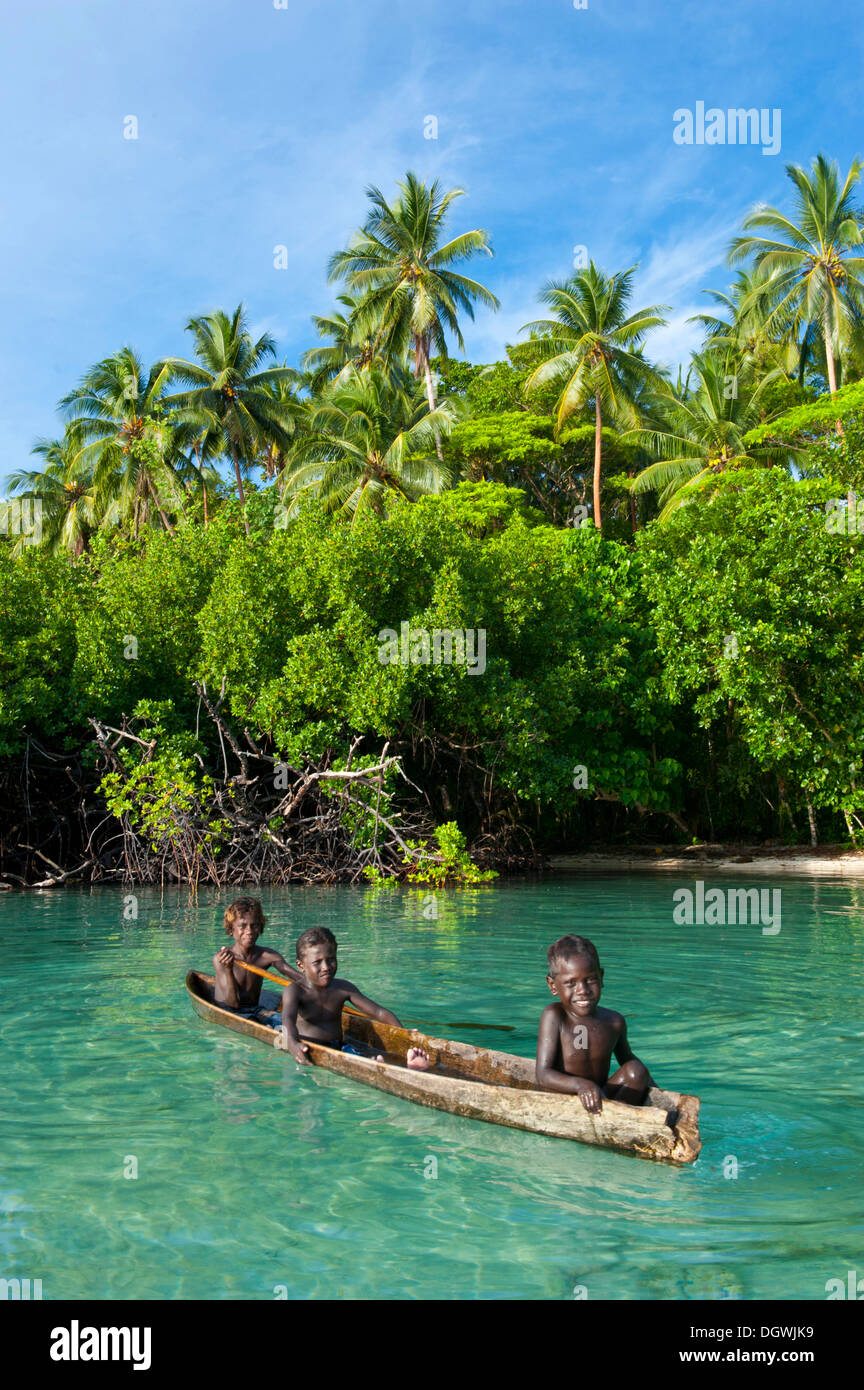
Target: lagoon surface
{"type": "Point", "coordinates": [257, 1179]}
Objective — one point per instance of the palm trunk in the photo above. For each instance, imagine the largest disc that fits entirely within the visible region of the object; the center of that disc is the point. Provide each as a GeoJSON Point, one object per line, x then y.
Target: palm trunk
{"type": "Point", "coordinates": [197, 452]}
{"type": "Point", "coordinates": [154, 494]}
{"type": "Point", "coordinates": [829, 360]}
{"type": "Point", "coordinates": [422, 364]}
{"type": "Point", "coordinates": [832, 372]}
{"type": "Point", "coordinates": [240, 493]}
{"type": "Point", "coordinates": [598, 459]}
{"type": "Point", "coordinates": [633, 518]}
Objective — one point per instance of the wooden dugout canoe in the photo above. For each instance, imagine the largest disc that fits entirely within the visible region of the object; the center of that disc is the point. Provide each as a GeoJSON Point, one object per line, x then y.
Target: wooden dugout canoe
{"type": "Point", "coordinates": [484, 1085]}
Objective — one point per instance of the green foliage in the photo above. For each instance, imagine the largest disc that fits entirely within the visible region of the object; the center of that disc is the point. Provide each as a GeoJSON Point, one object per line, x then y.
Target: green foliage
{"type": "Point", "coordinates": [821, 450]}
{"type": "Point", "coordinates": [40, 597]}
{"type": "Point", "coordinates": [163, 785]}
{"type": "Point", "coordinates": [497, 389]}
{"type": "Point", "coordinates": [293, 628]}
{"type": "Point", "coordinates": [451, 864]}
{"type": "Point", "coordinates": [488, 442]}
{"type": "Point", "coordinates": [137, 637]}
{"type": "Point", "coordinates": [813, 417]}
{"type": "Point", "coordinates": [702, 430]}
{"type": "Point", "coordinates": [520, 449]}
{"type": "Point", "coordinates": [758, 611]}
{"type": "Point", "coordinates": [595, 653]}
{"type": "Point", "coordinates": [399, 265]}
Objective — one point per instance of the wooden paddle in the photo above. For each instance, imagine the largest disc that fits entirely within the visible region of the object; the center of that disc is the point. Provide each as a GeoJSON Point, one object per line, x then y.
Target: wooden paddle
{"type": "Point", "coordinates": [278, 980]}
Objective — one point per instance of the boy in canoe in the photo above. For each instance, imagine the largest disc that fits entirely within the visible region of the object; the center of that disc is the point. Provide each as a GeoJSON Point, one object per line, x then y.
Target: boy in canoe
{"type": "Point", "coordinates": [240, 989]}
{"type": "Point", "coordinates": [312, 1008]}
{"type": "Point", "coordinates": [577, 1038]}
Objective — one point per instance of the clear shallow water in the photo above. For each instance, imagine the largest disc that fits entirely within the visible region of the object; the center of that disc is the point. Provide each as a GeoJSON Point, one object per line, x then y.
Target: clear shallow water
{"type": "Point", "coordinates": [256, 1179]}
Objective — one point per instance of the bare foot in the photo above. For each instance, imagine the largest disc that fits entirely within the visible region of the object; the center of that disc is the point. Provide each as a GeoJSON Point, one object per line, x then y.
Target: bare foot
{"type": "Point", "coordinates": [417, 1059]}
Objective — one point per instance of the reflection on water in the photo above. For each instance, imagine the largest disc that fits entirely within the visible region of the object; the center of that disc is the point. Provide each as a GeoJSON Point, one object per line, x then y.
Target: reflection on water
{"type": "Point", "coordinates": [258, 1179]}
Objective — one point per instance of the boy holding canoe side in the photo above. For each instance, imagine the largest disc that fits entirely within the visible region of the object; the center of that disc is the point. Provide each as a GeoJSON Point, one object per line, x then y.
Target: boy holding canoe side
{"type": "Point", "coordinates": [239, 989]}
{"type": "Point", "coordinates": [312, 1008]}
{"type": "Point", "coordinates": [577, 1039]}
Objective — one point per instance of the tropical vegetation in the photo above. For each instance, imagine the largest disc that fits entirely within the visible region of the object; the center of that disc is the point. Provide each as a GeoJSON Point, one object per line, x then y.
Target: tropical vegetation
{"type": "Point", "coordinates": [198, 578]}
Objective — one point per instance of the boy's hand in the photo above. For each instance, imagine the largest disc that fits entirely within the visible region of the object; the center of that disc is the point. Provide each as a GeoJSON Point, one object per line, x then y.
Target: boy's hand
{"type": "Point", "coordinates": [224, 956]}
{"type": "Point", "coordinates": [298, 1052]}
{"type": "Point", "coordinates": [591, 1098]}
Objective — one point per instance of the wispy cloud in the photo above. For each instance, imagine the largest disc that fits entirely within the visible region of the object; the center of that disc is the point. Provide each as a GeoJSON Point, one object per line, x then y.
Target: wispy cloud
{"type": "Point", "coordinates": [675, 272]}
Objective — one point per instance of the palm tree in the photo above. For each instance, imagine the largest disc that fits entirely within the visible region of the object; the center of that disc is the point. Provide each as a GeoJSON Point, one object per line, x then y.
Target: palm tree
{"type": "Point", "coordinates": [592, 344]}
{"type": "Point", "coordinates": [746, 331]}
{"type": "Point", "coordinates": [345, 349]}
{"type": "Point", "coordinates": [272, 457]}
{"type": "Point", "coordinates": [116, 417]}
{"type": "Point", "coordinates": [809, 256]}
{"type": "Point", "coordinates": [704, 430]}
{"type": "Point", "coordinates": [397, 267]}
{"type": "Point", "coordinates": [229, 390]}
{"type": "Point", "coordinates": [71, 507]}
{"type": "Point", "coordinates": [201, 444]}
{"type": "Point", "coordinates": [369, 438]}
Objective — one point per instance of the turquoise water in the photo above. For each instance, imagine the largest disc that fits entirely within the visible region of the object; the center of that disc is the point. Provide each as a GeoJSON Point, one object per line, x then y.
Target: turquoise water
{"type": "Point", "coordinates": [256, 1180]}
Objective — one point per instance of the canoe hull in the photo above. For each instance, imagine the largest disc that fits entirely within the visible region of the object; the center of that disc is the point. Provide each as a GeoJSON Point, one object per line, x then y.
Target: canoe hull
{"type": "Point", "coordinates": [482, 1084]}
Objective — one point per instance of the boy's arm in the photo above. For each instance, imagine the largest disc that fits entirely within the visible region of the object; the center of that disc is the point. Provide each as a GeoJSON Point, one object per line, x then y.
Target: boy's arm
{"type": "Point", "coordinates": [624, 1052]}
{"type": "Point", "coordinates": [281, 964]}
{"type": "Point", "coordinates": [622, 1049]}
{"type": "Point", "coordinates": [368, 1006]}
{"type": "Point", "coordinates": [548, 1075]}
{"type": "Point", "coordinates": [290, 1037]}
{"type": "Point", "coordinates": [226, 991]}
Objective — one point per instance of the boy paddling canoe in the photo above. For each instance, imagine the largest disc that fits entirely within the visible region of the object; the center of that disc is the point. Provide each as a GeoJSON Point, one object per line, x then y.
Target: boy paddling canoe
{"type": "Point", "coordinates": [235, 987]}
{"type": "Point", "coordinates": [312, 1008]}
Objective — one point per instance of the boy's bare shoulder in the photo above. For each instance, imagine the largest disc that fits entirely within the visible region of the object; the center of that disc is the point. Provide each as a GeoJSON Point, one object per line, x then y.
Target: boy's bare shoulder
{"type": "Point", "coordinates": [615, 1020]}
{"type": "Point", "coordinates": [553, 1010]}
{"type": "Point", "coordinates": [269, 953]}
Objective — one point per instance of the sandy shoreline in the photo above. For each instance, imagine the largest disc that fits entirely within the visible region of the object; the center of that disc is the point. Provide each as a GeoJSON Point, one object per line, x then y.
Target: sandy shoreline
{"type": "Point", "coordinates": [738, 860]}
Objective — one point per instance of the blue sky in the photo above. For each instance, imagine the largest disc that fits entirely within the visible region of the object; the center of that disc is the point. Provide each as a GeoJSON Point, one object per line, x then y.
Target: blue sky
{"type": "Point", "coordinates": [261, 126]}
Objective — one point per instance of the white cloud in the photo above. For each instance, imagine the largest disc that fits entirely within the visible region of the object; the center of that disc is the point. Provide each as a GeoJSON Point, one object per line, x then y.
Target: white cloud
{"type": "Point", "coordinates": [268, 324]}
{"type": "Point", "coordinates": [674, 273]}
{"type": "Point", "coordinates": [678, 265]}
{"type": "Point", "coordinates": [672, 345]}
